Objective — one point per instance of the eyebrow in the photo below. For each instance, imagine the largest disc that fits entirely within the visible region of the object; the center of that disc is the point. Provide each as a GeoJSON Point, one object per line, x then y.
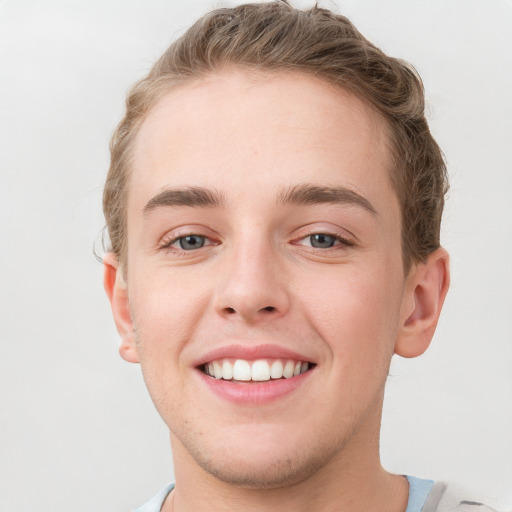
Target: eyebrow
{"type": "Point", "coordinates": [190, 196]}
{"type": "Point", "coordinates": [305, 194]}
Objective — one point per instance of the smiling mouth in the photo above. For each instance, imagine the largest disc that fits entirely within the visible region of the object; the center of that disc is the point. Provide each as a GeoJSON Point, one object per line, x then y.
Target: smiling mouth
{"type": "Point", "coordinates": [260, 370]}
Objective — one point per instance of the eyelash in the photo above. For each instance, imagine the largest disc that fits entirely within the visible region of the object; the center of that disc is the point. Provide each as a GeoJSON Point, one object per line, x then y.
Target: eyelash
{"type": "Point", "coordinates": [167, 245]}
{"type": "Point", "coordinates": [343, 243]}
{"type": "Point", "coordinates": [340, 243]}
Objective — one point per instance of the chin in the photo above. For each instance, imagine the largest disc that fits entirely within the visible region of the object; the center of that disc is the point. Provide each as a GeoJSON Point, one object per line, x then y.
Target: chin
{"type": "Point", "coordinates": [261, 462]}
{"type": "Point", "coordinates": [269, 474]}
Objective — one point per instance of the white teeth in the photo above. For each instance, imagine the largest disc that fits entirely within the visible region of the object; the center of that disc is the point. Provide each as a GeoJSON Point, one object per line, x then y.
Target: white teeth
{"type": "Point", "coordinates": [276, 370]}
{"type": "Point", "coordinates": [288, 369]}
{"type": "Point", "coordinates": [227, 370]}
{"type": "Point", "coordinates": [241, 370]}
{"type": "Point", "coordinates": [260, 370]}
{"type": "Point", "coordinates": [217, 370]}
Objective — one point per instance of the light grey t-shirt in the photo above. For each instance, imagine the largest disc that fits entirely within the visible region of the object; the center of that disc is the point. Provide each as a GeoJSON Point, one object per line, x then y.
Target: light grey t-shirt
{"type": "Point", "coordinates": [424, 496]}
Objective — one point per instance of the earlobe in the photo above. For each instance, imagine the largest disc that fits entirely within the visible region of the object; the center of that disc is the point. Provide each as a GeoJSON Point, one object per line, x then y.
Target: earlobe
{"type": "Point", "coordinates": [117, 293]}
{"type": "Point", "coordinates": [426, 288]}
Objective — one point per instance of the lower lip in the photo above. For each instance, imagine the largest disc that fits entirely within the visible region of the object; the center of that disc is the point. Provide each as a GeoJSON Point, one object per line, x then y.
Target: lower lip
{"type": "Point", "coordinates": [253, 393]}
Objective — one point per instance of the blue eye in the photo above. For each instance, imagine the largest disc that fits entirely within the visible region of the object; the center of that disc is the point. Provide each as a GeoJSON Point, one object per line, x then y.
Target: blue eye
{"type": "Point", "coordinates": [190, 242]}
{"type": "Point", "coordinates": [322, 241]}
{"type": "Point", "coordinates": [187, 243]}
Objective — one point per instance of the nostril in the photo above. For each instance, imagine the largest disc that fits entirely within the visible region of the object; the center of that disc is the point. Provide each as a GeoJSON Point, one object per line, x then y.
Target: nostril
{"type": "Point", "coordinates": [232, 311]}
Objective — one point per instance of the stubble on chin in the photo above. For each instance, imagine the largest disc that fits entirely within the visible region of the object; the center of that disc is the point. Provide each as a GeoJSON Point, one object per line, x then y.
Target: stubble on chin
{"type": "Point", "coordinates": [285, 469]}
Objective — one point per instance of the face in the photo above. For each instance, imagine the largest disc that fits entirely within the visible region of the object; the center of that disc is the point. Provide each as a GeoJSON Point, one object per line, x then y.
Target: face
{"type": "Point", "coordinates": [264, 280]}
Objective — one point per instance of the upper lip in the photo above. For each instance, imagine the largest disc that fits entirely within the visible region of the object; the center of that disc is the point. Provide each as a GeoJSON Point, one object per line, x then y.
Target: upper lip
{"type": "Point", "coordinates": [250, 353]}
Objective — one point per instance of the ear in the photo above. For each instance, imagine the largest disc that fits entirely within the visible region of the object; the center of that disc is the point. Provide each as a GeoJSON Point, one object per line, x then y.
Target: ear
{"type": "Point", "coordinates": [425, 291]}
{"type": "Point", "coordinates": [117, 292]}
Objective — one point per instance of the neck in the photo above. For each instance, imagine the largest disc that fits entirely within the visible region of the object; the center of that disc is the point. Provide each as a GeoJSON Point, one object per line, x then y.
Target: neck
{"type": "Point", "coordinates": [353, 481]}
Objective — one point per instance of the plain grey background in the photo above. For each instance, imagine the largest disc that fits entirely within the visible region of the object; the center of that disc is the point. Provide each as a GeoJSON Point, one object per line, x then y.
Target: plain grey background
{"type": "Point", "coordinates": [77, 429]}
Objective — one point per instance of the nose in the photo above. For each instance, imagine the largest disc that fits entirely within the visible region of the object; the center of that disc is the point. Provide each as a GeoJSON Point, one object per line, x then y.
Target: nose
{"type": "Point", "coordinates": [252, 286]}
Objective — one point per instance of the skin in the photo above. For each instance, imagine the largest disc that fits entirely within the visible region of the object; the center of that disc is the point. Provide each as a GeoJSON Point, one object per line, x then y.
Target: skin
{"type": "Point", "coordinates": [258, 280]}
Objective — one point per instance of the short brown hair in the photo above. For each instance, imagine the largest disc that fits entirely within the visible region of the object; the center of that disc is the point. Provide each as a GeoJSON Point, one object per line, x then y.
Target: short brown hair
{"type": "Point", "coordinates": [277, 37]}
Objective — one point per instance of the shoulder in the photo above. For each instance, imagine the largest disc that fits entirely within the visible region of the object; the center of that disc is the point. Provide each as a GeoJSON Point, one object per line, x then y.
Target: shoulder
{"type": "Point", "coordinates": [449, 497]}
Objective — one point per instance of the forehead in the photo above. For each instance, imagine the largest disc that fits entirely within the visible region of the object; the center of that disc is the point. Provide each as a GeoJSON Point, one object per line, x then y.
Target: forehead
{"type": "Point", "coordinates": [258, 133]}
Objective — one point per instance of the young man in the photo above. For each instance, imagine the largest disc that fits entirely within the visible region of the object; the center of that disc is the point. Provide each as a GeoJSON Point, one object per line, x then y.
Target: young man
{"type": "Point", "coordinates": [274, 204]}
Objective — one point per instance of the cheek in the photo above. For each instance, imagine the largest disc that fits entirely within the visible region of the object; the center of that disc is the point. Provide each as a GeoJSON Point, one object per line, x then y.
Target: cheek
{"type": "Point", "coordinates": [165, 314]}
{"type": "Point", "coordinates": [166, 307]}
{"type": "Point", "coordinates": [356, 312]}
